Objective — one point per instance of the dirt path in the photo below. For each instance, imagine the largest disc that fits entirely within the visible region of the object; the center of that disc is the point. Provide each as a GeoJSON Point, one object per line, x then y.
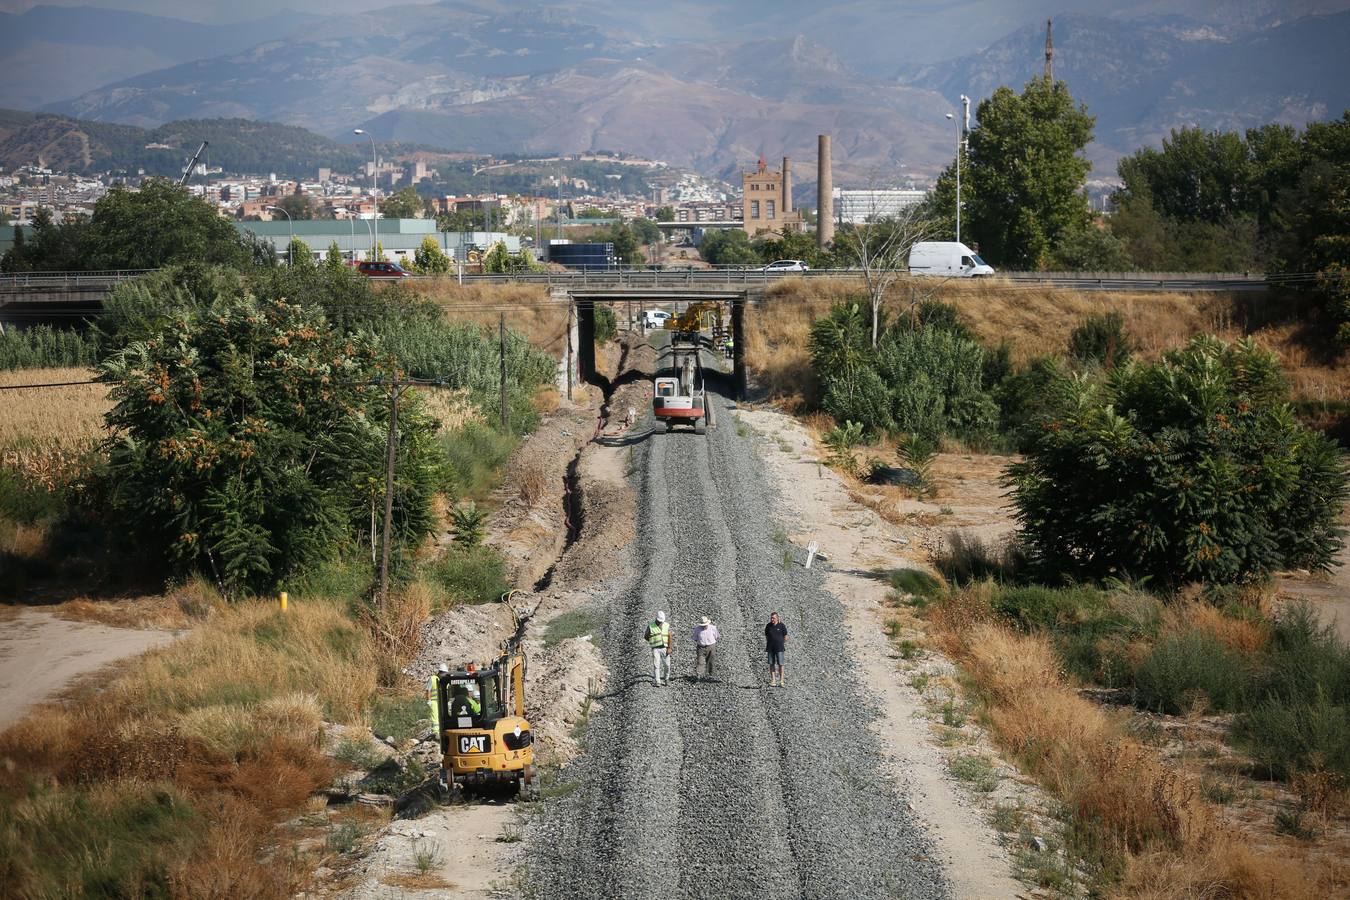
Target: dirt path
{"type": "Point", "coordinates": [40, 654]}
{"type": "Point", "coordinates": [1329, 596]}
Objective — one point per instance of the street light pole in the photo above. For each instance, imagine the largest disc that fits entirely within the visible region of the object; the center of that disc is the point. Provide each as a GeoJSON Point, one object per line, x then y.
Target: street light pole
{"type": "Point", "coordinates": [961, 125]}
{"type": "Point", "coordinates": [290, 248]}
{"type": "Point", "coordinates": [374, 189]}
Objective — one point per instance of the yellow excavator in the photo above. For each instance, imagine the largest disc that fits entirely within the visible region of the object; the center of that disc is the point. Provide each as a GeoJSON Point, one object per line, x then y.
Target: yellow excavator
{"type": "Point", "coordinates": [485, 738]}
{"type": "Point", "coordinates": [705, 315]}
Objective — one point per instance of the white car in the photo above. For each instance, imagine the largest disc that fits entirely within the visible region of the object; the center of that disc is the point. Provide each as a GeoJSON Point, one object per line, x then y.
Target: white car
{"type": "Point", "coordinates": [786, 265]}
{"type": "Point", "coordinates": [656, 318]}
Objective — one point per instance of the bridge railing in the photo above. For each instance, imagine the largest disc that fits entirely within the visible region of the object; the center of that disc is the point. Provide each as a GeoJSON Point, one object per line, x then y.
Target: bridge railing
{"type": "Point", "coordinates": [656, 276]}
{"type": "Point", "coordinates": [70, 279]}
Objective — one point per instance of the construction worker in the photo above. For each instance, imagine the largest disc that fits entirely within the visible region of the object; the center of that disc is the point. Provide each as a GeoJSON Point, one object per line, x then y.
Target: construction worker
{"type": "Point", "coordinates": [728, 347]}
{"type": "Point", "coordinates": [658, 639]}
{"type": "Point", "coordinates": [705, 638]}
{"type": "Point", "coordinates": [461, 704]}
{"type": "Point", "coordinates": [775, 644]}
{"type": "Point", "coordinates": [433, 704]}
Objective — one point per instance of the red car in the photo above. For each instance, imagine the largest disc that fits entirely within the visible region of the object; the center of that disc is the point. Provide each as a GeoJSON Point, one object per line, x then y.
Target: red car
{"type": "Point", "coordinates": [382, 270]}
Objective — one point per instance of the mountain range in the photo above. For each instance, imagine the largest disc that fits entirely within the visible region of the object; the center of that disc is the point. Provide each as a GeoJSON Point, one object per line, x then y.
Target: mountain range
{"type": "Point", "coordinates": [710, 85]}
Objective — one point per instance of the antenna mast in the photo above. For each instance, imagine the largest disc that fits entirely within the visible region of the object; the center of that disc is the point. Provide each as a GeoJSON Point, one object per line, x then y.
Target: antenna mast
{"type": "Point", "coordinates": [1050, 51]}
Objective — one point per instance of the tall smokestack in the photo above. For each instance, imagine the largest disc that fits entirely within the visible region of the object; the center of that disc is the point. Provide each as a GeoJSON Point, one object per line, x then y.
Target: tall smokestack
{"type": "Point", "coordinates": [1050, 51]}
{"type": "Point", "coordinates": [824, 195]}
{"type": "Point", "coordinates": [787, 185]}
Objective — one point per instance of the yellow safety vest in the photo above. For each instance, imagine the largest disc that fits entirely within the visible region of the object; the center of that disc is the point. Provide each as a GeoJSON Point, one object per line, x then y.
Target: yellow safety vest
{"type": "Point", "coordinates": [658, 634]}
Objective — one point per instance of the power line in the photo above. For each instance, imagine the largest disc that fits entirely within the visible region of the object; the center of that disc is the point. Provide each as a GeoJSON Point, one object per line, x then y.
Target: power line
{"type": "Point", "coordinates": [50, 384]}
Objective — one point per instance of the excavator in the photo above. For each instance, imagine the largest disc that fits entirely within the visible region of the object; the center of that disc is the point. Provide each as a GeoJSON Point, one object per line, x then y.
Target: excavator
{"type": "Point", "coordinates": [689, 325]}
{"type": "Point", "coordinates": [485, 738]}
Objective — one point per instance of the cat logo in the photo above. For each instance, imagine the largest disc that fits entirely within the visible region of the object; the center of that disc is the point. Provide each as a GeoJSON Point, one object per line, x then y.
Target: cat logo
{"type": "Point", "coordinates": [473, 743]}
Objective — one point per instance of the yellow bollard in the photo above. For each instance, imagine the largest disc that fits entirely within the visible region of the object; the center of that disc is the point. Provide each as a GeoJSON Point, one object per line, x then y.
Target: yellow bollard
{"type": "Point", "coordinates": [282, 598]}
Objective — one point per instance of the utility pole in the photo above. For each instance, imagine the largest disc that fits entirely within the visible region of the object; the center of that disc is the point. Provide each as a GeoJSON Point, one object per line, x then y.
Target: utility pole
{"type": "Point", "coordinates": [501, 331]}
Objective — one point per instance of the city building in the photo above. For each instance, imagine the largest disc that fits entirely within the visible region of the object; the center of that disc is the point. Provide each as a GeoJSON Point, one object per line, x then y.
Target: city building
{"type": "Point", "coordinates": [856, 207]}
{"type": "Point", "coordinates": [398, 238]}
{"type": "Point", "coordinates": [766, 200]}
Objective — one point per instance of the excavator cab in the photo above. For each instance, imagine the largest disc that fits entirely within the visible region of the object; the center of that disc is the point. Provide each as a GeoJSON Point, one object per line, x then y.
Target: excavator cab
{"type": "Point", "coordinates": [485, 738]}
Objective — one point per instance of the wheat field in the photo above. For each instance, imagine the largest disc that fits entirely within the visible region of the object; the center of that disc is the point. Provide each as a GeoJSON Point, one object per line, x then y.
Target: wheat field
{"type": "Point", "coordinates": [70, 418]}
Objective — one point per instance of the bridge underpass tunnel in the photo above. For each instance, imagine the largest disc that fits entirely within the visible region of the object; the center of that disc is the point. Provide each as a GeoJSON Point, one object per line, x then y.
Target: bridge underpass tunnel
{"type": "Point", "coordinates": [731, 302]}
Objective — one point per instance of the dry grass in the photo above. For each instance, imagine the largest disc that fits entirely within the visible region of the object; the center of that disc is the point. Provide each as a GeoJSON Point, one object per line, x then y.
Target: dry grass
{"type": "Point", "coordinates": [528, 308]}
{"type": "Point", "coordinates": [449, 406]}
{"type": "Point", "coordinates": [1137, 809]}
{"type": "Point", "coordinates": [533, 481]}
{"type": "Point", "coordinates": [70, 418]}
{"type": "Point", "coordinates": [1237, 634]}
{"type": "Point", "coordinates": [228, 717]}
{"type": "Point", "coordinates": [1034, 319]}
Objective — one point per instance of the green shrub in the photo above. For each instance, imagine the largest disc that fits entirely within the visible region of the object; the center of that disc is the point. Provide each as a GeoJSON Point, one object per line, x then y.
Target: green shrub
{"type": "Point", "coordinates": [469, 522]}
{"type": "Point", "coordinates": [45, 347]}
{"type": "Point", "coordinates": [1101, 341]}
{"type": "Point", "coordinates": [397, 717]}
{"type": "Point", "coordinates": [1024, 398]}
{"type": "Point", "coordinates": [117, 840]}
{"type": "Point", "coordinates": [474, 456]}
{"type": "Point", "coordinates": [1190, 469]}
{"type": "Point", "coordinates": [469, 575]}
{"type": "Point", "coordinates": [1301, 721]}
{"type": "Point", "coordinates": [605, 323]}
{"type": "Point", "coordinates": [915, 583]}
{"type": "Point", "coordinates": [1189, 670]}
{"type": "Point", "coordinates": [917, 452]}
{"type": "Point", "coordinates": [935, 379]}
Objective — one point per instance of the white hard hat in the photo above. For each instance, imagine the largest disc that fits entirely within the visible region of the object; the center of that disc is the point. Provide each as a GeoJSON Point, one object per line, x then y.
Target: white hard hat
{"type": "Point", "coordinates": [660, 615]}
{"type": "Point", "coordinates": [443, 668]}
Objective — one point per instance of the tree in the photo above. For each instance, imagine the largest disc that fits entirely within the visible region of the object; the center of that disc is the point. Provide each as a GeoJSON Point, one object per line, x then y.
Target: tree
{"type": "Point", "coordinates": [646, 231]}
{"type": "Point", "coordinates": [241, 427]}
{"type": "Point", "coordinates": [665, 214]}
{"type": "Point", "coordinates": [880, 249]}
{"type": "Point", "coordinates": [299, 254]}
{"type": "Point", "coordinates": [1189, 469]}
{"type": "Point", "coordinates": [333, 258]}
{"type": "Point", "coordinates": [16, 258]}
{"type": "Point", "coordinates": [376, 254]}
{"type": "Point", "coordinates": [430, 259]}
{"type": "Point", "coordinates": [792, 245]}
{"type": "Point", "coordinates": [727, 247]}
{"type": "Point", "coordinates": [1091, 249]}
{"type": "Point", "coordinates": [298, 205]}
{"type": "Point", "coordinates": [489, 219]}
{"type": "Point", "coordinates": [1198, 175]}
{"type": "Point", "coordinates": [1022, 185]}
{"type": "Point", "coordinates": [403, 204]}
{"type": "Point", "coordinates": [158, 225]}
{"type": "Point", "coordinates": [497, 261]}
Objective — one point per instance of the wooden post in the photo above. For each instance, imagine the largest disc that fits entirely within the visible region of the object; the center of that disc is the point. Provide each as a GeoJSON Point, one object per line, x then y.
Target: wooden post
{"type": "Point", "coordinates": [571, 320]}
{"type": "Point", "coordinates": [501, 331]}
{"type": "Point", "coordinates": [388, 496]}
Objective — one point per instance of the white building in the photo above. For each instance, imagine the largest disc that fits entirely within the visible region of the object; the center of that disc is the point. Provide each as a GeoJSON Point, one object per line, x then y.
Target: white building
{"type": "Point", "coordinates": [857, 207]}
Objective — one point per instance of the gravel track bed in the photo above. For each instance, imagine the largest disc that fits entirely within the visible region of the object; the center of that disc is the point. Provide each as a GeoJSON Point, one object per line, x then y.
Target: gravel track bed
{"type": "Point", "coordinates": [727, 788]}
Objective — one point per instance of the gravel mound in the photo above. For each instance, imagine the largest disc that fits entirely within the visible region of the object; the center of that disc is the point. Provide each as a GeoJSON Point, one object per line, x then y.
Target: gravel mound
{"type": "Point", "coordinates": [726, 788]}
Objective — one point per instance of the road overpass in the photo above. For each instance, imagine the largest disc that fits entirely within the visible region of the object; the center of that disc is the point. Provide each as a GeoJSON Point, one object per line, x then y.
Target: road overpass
{"type": "Point", "coordinates": [62, 296]}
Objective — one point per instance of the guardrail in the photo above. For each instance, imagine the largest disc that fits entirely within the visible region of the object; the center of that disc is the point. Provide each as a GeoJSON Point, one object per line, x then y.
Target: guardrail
{"type": "Point", "coordinates": [648, 276]}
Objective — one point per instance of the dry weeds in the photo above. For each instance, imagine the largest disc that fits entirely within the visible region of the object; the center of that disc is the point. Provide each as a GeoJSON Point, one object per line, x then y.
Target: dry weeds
{"type": "Point", "coordinates": [1173, 841]}
{"type": "Point", "coordinates": [528, 309]}
{"type": "Point", "coordinates": [1034, 319]}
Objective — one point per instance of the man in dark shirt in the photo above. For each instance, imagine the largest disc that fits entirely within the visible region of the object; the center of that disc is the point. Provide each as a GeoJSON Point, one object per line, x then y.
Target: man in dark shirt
{"type": "Point", "coordinates": [775, 643]}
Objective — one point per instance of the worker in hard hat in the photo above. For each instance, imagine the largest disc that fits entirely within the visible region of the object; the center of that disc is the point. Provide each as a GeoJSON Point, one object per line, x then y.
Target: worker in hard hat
{"type": "Point", "coordinates": [658, 639]}
{"type": "Point", "coordinates": [433, 704]}
{"type": "Point", "coordinates": [461, 704]}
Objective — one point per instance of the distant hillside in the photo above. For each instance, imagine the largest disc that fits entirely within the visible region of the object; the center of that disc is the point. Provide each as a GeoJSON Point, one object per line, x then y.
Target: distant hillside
{"type": "Point", "coordinates": [50, 53]}
{"type": "Point", "coordinates": [1145, 77]}
{"type": "Point", "coordinates": [236, 145]}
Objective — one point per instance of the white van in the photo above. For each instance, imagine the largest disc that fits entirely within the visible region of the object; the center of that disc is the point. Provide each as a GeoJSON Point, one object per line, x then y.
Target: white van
{"type": "Point", "coordinates": [656, 318]}
{"type": "Point", "coordinates": [948, 259]}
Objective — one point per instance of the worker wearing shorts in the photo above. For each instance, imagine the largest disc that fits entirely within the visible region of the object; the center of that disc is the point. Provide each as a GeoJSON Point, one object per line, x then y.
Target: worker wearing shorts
{"type": "Point", "coordinates": [775, 645]}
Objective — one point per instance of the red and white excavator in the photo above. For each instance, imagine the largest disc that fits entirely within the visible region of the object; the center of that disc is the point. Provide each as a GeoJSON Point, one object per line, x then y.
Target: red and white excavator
{"type": "Point", "coordinates": [680, 400]}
